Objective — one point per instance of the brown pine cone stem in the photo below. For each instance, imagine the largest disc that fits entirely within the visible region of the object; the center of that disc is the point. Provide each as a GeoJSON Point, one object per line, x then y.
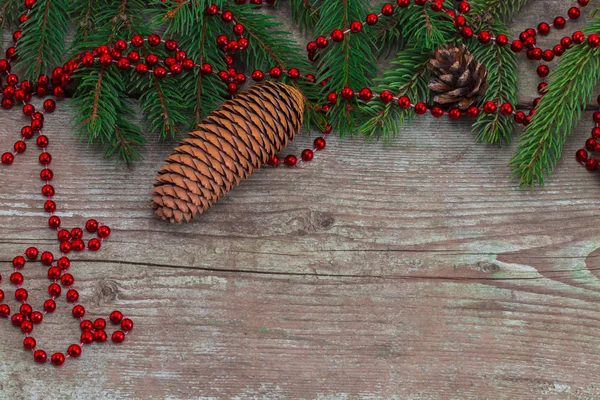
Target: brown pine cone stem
{"type": "Point", "coordinates": [227, 146]}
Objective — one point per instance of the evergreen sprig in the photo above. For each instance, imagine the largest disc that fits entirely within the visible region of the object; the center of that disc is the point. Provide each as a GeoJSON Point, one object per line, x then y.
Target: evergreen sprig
{"type": "Point", "coordinates": [350, 63]}
{"type": "Point", "coordinates": [502, 78]}
{"type": "Point", "coordinates": [570, 89]}
{"type": "Point", "coordinates": [305, 13]}
{"type": "Point", "coordinates": [42, 43]}
{"type": "Point", "coordinates": [491, 11]}
{"type": "Point", "coordinates": [408, 76]}
{"type": "Point", "coordinates": [8, 15]}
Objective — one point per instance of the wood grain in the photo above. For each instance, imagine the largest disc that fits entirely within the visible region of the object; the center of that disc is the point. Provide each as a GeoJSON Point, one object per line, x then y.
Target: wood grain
{"type": "Point", "coordinates": [410, 270]}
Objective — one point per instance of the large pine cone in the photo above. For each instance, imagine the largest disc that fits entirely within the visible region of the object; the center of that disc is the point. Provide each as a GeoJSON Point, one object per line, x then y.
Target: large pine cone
{"type": "Point", "coordinates": [460, 79]}
{"type": "Point", "coordinates": [228, 145]}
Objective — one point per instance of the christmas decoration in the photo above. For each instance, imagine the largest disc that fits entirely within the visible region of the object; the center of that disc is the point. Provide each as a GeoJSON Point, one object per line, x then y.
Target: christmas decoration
{"type": "Point", "coordinates": [229, 145]}
{"type": "Point", "coordinates": [459, 78]}
{"type": "Point", "coordinates": [115, 54]}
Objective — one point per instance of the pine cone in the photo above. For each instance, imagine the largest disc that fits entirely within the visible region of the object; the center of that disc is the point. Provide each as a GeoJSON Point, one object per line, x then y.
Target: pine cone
{"type": "Point", "coordinates": [460, 79]}
{"type": "Point", "coordinates": [227, 146]}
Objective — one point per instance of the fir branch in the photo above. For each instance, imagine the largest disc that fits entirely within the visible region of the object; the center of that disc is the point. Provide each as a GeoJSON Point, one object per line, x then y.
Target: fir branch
{"type": "Point", "coordinates": [305, 13]}
{"type": "Point", "coordinates": [42, 42]}
{"type": "Point", "coordinates": [8, 14]}
{"type": "Point", "coordinates": [570, 88]}
{"type": "Point", "coordinates": [350, 63]}
{"type": "Point", "coordinates": [502, 77]}
{"type": "Point", "coordinates": [408, 76]}
{"type": "Point", "coordinates": [490, 11]}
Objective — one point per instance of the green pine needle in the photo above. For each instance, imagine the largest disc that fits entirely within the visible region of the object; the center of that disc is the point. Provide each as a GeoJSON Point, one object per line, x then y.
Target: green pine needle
{"type": "Point", "coordinates": [570, 89]}
{"type": "Point", "coordinates": [491, 11]}
{"type": "Point", "coordinates": [42, 43]}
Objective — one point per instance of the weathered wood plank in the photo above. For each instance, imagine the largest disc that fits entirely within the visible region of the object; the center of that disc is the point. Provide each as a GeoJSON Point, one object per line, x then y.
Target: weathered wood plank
{"type": "Point", "coordinates": [414, 269]}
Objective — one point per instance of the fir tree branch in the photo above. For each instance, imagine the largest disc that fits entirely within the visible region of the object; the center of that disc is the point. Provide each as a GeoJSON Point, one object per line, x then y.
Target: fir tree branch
{"type": "Point", "coordinates": [42, 42]}
{"type": "Point", "coordinates": [502, 77]}
{"type": "Point", "coordinates": [350, 63]}
{"type": "Point", "coordinates": [570, 88]}
{"type": "Point", "coordinates": [8, 14]}
{"type": "Point", "coordinates": [305, 13]}
{"type": "Point", "coordinates": [491, 11]}
{"type": "Point", "coordinates": [408, 76]}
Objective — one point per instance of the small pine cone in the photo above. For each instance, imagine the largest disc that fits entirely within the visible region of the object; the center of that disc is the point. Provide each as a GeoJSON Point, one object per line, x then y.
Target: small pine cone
{"type": "Point", "coordinates": [227, 146]}
{"type": "Point", "coordinates": [459, 78]}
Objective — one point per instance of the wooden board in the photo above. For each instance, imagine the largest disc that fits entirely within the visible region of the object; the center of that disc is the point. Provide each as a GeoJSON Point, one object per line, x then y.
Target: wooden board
{"type": "Point", "coordinates": [410, 270]}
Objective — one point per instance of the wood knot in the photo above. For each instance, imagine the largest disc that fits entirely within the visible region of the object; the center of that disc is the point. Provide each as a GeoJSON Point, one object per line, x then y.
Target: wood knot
{"type": "Point", "coordinates": [488, 267]}
{"type": "Point", "coordinates": [321, 221]}
{"type": "Point", "coordinates": [107, 291]}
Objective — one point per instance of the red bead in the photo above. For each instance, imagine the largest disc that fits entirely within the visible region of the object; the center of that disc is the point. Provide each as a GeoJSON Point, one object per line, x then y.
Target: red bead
{"type": "Point", "coordinates": [437, 111]}
{"type": "Point", "coordinates": [118, 337]}
{"type": "Point", "coordinates": [40, 356]}
{"type": "Point", "coordinates": [347, 93]}
{"type": "Point", "coordinates": [160, 72]}
{"type": "Point", "coordinates": [275, 72]}
{"type": "Point", "coordinates": [516, 46]}
{"type": "Point", "coordinates": [37, 317]}
{"type": "Point", "coordinates": [420, 108]}
{"type": "Point", "coordinates": [99, 324]}
{"type": "Point", "coordinates": [594, 40]}
{"type": "Point", "coordinates": [87, 337]}
{"type": "Point", "coordinates": [171, 45]}
{"type": "Point", "coordinates": [21, 294]}
{"type": "Point", "coordinates": [94, 244]}
{"type": "Point", "coordinates": [7, 158]}
{"type": "Point", "coordinates": [293, 73]}
{"type": "Point", "coordinates": [596, 117]}
{"type": "Point", "coordinates": [26, 326]}
{"type": "Point", "coordinates": [289, 161]}
{"type": "Point", "coordinates": [463, 7]}
{"type": "Point", "coordinates": [47, 258]}
{"type": "Point", "coordinates": [1, 295]}
{"type": "Point", "coordinates": [54, 222]}
{"type": "Point", "coordinates": [25, 309]}
{"type": "Point", "coordinates": [227, 16]}
{"type": "Point", "coordinates": [583, 3]}
{"type": "Point", "coordinates": [67, 280]}
{"type": "Point", "coordinates": [49, 305]}
{"type": "Point", "coordinates": [154, 39]}
{"type": "Point", "coordinates": [29, 343]}
{"type": "Point", "coordinates": [574, 13]}
{"type": "Point", "coordinates": [17, 319]}
{"type": "Point", "coordinates": [232, 88]}
{"type": "Point", "coordinates": [31, 253]}
{"type": "Point", "coordinates": [53, 274]}
{"type": "Point", "coordinates": [543, 28]}
{"type": "Point", "coordinates": [332, 98]}
{"type": "Point", "coordinates": [257, 76]}
{"type": "Point", "coordinates": [4, 310]}
{"type": "Point", "coordinates": [578, 37]}
{"type": "Point", "coordinates": [57, 359]}
{"type": "Point", "coordinates": [319, 143]}
{"type": "Point", "coordinates": [506, 109]}
{"type": "Point", "coordinates": [45, 158]}
{"type": "Point", "coordinates": [387, 10]}
{"type": "Point", "coordinates": [77, 233]}
{"type": "Point", "coordinates": [581, 155]}
{"type": "Point", "coordinates": [100, 336]}
{"type": "Point", "coordinates": [41, 141]}
{"type": "Point", "coordinates": [212, 10]}
{"type": "Point", "coordinates": [543, 71]}
{"type": "Point", "coordinates": [337, 35]}
{"type": "Point", "coordinates": [72, 295]}
{"type": "Point", "coordinates": [307, 155]}
{"type": "Point", "coordinates": [467, 32]}
{"type": "Point", "coordinates": [386, 96]}
{"type": "Point", "coordinates": [74, 350]}
{"type": "Point", "coordinates": [104, 232]}
{"type": "Point", "coordinates": [596, 132]}
{"type": "Point", "coordinates": [365, 94]}
{"type": "Point", "coordinates": [321, 42]}
{"type": "Point", "coordinates": [46, 174]}
{"type": "Point", "coordinates": [63, 263]}
{"type": "Point", "coordinates": [590, 144]}
{"type": "Point", "coordinates": [454, 114]}
{"type": "Point", "coordinates": [16, 278]}
{"type": "Point", "coordinates": [91, 225]}
{"type": "Point", "coordinates": [78, 311]}
{"type": "Point", "coordinates": [151, 59]}
{"type": "Point", "coordinates": [404, 102]}
{"type": "Point", "coordinates": [355, 27]}
{"type": "Point", "coordinates": [137, 41]}
{"type": "Point", "coordinates": [484, 37]}
{"type": "Point", "coordinates": [591, 165]}
{"type": "Point", "coordinates": [371, 19]}
{"type": "Point", "coordinates": [18, 262]}
{"type": "Point", "coordinates": [489, 107]}
{"type": "Point", "coordinates": [273, 161]}
{"type": "Point", "coordinates": [127, 324]}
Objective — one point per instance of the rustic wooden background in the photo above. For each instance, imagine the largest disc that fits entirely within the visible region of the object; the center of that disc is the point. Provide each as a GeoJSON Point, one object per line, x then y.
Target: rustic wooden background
{"type": "Point", "coordinates": [410, 270]}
